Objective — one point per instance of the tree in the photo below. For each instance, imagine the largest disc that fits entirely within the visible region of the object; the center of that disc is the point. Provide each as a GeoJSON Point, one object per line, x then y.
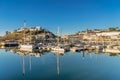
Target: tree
{"type": "Point", "coordinates": [7, 32]}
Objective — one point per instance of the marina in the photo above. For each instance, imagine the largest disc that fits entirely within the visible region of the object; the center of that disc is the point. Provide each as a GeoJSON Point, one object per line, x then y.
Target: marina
{"type": "Point", "coordinates": [59, 40]}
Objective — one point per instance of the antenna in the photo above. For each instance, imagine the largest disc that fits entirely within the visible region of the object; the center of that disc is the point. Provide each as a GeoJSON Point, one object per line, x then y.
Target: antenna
{"type": "Point", "coordinates": [58, 32]}
{"type": "Point", "coordinates": [24, 23]}
{"type": "Point", "coordinates": [58, 36]}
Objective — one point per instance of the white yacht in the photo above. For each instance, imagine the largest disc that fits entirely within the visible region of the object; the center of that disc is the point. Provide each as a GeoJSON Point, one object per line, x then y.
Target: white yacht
{"type": "Point", "coordinates": [112, 49]}
{"type": "Point", "coordinates": [27, 47]}
{"type": "Point", "coordinates": [58, 48]}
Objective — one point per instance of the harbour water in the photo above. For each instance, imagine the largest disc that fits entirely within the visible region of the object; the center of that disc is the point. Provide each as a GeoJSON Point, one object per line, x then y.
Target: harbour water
{"type": "Point", "coordinates": [67, 66]}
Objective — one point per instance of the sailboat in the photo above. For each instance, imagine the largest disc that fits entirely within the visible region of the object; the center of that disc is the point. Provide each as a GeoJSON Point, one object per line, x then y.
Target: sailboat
{"type": "Point", "coordinates": [58, 49]}
{"type": "Point", "coordinates": [26, 47]}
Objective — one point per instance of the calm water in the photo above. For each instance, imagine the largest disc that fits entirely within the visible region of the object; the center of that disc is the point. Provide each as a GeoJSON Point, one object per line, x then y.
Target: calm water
{"type": "Point", "coordinates": [70, 66]}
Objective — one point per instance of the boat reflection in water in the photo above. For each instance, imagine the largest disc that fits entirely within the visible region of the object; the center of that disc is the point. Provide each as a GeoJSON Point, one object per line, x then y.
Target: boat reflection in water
{"type": "Point", "coordinates": [36, 54]}
{"type": "Point", "coordinates": [61, 66]}
{"type": "Point", "coordinates": [23, 54]}
{"type": "Point", "coordinates": [58, 54]}
{"type": "Point", "coordinates": [23, 64]}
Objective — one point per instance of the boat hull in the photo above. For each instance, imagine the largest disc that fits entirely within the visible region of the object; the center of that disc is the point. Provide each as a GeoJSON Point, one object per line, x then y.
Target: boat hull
{"type": "Point", "coordinates": [58, 50]}
{"type": "Point", "coordinates": [26, 47]}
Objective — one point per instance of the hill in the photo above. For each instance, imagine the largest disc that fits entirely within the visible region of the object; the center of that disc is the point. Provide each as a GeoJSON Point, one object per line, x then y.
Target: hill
{"type": "Point", "coordinates": [27, 34]}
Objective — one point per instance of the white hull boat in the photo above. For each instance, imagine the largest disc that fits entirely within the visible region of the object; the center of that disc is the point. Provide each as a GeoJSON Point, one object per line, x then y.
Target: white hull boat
{"type": "Point", "coordinates": [58, 50]}
{"type": "Point", "coordinates": [26, 47]}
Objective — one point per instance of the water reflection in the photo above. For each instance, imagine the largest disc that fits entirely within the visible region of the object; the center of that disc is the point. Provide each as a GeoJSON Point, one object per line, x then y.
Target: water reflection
{"type": "Point", "coordinates": [83, 55]}
{"type": "Point", "coordinates": [30, 62]}
{"type": "Point", "coordinates": [54, 61]}
{"type": "Point", "coordinates": [58, 64]}
{"type": "Point", "coordinates": [23, 65]}
{"type": "Point", "coordinates": [36, 52]}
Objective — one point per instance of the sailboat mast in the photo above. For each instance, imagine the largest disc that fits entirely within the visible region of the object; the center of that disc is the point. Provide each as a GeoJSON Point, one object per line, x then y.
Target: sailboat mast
{"type": "Point", "coordinates": [58, 36]}
{"type": "Point", "coordinates": [24, 29]}
{"type": "Point", "coordinates": [30, 37]}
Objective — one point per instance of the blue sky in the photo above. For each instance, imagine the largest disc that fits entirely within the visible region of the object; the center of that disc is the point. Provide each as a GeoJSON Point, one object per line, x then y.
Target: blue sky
{"type": "Point", "coordinates": [70, 15]}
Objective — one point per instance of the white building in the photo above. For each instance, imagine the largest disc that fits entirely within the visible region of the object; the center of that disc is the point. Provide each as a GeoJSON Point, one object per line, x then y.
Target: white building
{"type": "Point", "coordinates": [108, 33]}
{"type": "Point", "coordinates": [35, 28]}
{"type": "Point", "coordinates": [22, 29]}
{"type": "Point", "coordinates": [38, 28]}
{"type": "Point", "coordinates": [89, 37]}
{"type": "Point", "coordinates": [115, 37]}
{"type": "Point", "coordinates": [31, 29]}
